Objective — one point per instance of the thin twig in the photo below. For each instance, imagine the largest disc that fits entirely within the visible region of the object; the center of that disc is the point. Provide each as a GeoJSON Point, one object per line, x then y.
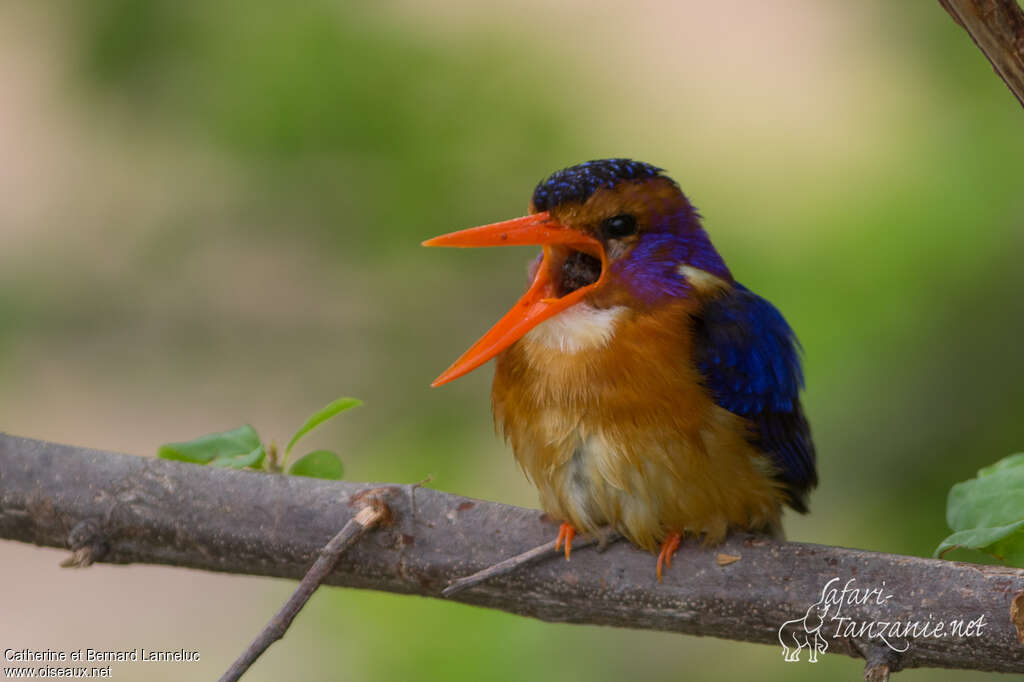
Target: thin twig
{"type": "Point", "coordinates": [412, 491]}
{"type": "Point", "coordinates": [511, 564]}
{"type": "Point", "coordinates": [367, 518]}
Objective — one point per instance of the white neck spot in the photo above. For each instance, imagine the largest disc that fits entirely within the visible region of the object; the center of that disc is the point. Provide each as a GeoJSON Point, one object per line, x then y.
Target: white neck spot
{"type": "Point", "coordinates": [577, 328]}
{"type": "Point", "coordinates": [702, 280]}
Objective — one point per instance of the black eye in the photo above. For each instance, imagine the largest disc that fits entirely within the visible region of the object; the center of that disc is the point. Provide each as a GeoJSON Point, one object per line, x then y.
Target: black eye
{"type": "Point", "coordinates": [618, 226]}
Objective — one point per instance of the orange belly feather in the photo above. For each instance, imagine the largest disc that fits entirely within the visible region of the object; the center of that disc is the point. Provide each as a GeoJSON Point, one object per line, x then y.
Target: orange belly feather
{"type": "Point", "coordinates": [622, 432]}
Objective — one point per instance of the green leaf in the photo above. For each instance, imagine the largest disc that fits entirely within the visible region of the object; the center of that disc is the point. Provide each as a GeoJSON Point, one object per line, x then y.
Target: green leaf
{"type": "Point", "coordinates": [203, 450]}
{"type": "Point", "coordinates": [250, 459]}
{"type": "Point", "coordinates": [318, 464]}
{"type": "Point", "coordinates": [331, 410]}
{"type": "Point", "coordinates": [1005, 463]}
{"type": "Point", "coordinates": [987, 512]}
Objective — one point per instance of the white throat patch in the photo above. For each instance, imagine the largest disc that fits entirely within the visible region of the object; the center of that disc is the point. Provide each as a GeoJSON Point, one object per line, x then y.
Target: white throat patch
{"type": "Point", "coordinates": [577, 328]}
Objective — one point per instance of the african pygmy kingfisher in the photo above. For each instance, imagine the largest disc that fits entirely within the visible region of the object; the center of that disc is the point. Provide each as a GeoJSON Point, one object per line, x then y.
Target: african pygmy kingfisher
{"type": "Point", "coordinates": [641, 386]}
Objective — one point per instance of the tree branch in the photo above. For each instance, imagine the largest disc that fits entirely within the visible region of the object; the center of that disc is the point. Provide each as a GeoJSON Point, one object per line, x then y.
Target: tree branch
{"type": "Point", "coordinates": [115, 508]}
{"type": "Point", "coordinates": [997, 28]}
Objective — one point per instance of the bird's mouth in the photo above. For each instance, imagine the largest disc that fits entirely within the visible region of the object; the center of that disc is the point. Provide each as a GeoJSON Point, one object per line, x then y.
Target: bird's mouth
{"type": "Point", "coordinates": [578, 269]}
{"type": "Point", "coordinates": [572, 265]}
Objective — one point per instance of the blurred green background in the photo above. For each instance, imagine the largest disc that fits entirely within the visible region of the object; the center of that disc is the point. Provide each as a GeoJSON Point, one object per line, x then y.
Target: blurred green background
{"type": "Point", "coordinates": [211, 214]}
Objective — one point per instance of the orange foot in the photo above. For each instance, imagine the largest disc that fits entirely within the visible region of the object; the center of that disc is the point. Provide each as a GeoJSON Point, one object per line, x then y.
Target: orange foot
{"type": "Point", "coordinates": [565, 533]}
{"type": "Point", "coordinates": [668, 548]}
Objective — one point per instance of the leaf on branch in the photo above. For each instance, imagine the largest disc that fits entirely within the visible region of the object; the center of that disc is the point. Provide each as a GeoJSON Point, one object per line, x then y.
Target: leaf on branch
{"type": "Point", "coordinates": [250, 459]}
{"type": "Point", "coordinates": [241, 448]}
{"type": "Point", "coordinates": [332, 409]}
{"type": "Point", "coordinates": [225, 445]}
{"type": "Point", "coordinates": [318, 464]}
{"type": "Point", "coordinates": [987, 513]}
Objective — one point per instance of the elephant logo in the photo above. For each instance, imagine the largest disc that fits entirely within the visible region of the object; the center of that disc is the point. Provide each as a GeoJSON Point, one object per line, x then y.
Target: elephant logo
{"type": "Point", "coordinates": [804, 632]}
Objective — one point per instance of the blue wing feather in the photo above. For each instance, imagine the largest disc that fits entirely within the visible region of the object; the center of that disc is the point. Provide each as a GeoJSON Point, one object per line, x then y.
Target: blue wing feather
{"type": "Point", "coordinates": [749, 358]}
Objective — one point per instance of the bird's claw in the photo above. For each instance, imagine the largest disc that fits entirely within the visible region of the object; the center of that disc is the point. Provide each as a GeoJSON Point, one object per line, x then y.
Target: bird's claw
{"type": "Point", "coordinates": [565, 533]}
{"type": "Point", "coordinates": [668, 548]}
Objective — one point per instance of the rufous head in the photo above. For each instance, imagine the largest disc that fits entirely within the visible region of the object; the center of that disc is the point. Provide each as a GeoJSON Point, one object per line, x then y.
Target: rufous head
{"type": "Point", "coordinates": [613, 232]}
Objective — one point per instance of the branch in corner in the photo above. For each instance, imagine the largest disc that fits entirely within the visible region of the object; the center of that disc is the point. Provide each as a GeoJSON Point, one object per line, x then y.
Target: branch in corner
{"type": "Point", "coordinates": [997, 28]}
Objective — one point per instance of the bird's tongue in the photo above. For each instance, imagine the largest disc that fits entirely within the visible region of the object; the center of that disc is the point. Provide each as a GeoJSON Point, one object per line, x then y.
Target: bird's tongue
{"type": "Point", "coordinates": [542, 300]}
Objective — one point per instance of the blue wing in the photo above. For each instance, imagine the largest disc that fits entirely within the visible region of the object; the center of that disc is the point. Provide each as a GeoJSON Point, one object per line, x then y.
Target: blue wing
{"type": "Point", "coordinates": [749, 358]}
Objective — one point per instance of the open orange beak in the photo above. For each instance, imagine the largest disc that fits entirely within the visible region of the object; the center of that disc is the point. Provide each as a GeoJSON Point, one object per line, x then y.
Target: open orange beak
{"type": "Point", "coordinates": [541, 301]}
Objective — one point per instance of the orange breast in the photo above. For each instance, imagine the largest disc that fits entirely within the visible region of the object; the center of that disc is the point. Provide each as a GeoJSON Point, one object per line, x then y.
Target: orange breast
{"type": "Point", "coordinates": [607, 416]}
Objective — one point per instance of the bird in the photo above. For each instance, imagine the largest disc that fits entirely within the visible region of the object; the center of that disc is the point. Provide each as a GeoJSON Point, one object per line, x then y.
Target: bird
{"type": "Point", "coordinates": [641, 387]}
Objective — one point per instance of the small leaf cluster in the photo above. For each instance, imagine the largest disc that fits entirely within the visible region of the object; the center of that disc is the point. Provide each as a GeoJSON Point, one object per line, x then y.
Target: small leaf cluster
{"type": "Point", "coordinates": [987, 513]}
{"type": "Point", "coordinates": [242, 448]}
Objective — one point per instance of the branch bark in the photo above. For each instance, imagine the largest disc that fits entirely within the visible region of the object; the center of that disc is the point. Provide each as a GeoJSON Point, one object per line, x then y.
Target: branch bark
{"type": "Point", "coordinates": [997, 28]}
{"type": "Point", "coordinates": [114, 508]}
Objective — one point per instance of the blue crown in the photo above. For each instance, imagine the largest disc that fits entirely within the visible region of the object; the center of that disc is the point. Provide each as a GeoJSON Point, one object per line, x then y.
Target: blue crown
{"type": "Point", "coordinates": [578, 183]}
